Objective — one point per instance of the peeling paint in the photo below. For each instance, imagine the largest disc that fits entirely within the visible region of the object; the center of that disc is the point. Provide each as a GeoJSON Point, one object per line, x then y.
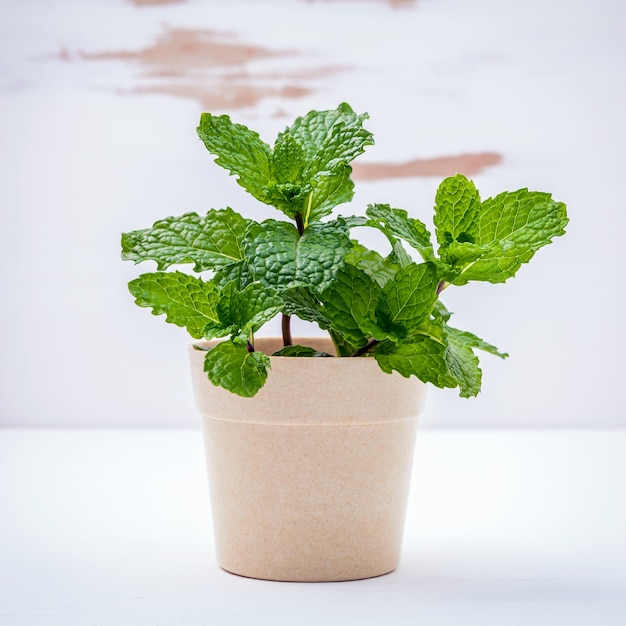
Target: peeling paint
{"type": "Point", "coordinates": [467, 164]}
{"type": "Point", "coordinates": [181, 52]}
{"type": "Point", "coordinates": [212, 68]}
{"type": "Point", "coordinates": [224, 96]}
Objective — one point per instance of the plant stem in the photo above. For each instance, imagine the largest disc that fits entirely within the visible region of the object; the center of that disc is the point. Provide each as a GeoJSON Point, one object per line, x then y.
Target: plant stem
{"type": "Point", "coordinates": [366, 348]}
{"type": "Point", "coordinates": [441, 286]}
{"type": "Point", "coordinates": [335, 339]}
{"type": "Point", "coordinates": [286, 321]}
{"type": "Point", "coordinates": [309, 206]}
{"type": "Point", "coordinates": [286, 328]}
{"type": "Point", "coordinates": [299, 224]}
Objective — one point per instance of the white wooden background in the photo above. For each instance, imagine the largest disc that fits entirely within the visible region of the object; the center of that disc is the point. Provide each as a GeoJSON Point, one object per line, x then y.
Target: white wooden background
{"type": "Point", "coordinates": [99, 102]}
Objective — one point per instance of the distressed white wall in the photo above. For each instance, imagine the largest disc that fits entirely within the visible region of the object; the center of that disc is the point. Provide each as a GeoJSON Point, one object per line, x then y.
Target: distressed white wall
{"type": "Point", "coordinates": [81, 160]}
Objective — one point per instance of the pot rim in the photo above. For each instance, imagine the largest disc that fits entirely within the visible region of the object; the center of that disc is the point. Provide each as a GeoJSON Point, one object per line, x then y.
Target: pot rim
{"type": "Point", "coordinates": [312, 391]}
{"type": "Point", "coordinates": [269, 345]}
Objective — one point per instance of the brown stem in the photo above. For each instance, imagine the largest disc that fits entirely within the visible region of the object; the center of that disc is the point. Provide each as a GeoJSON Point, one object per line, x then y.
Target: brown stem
{"type": "Point", "coordinates": [286, 328]}
{"type": "Point", "coordinates": [299, 224]}
{"type": "Point", "coordinates": [286, 321]}
{"type": "Point", "coordinates": [366, 348]}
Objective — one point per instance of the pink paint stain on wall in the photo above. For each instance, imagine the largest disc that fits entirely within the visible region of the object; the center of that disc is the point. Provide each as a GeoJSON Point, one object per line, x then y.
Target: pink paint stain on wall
{"type": "Point", "coordinates": [214, 69]}
{"type": "Point", "coordinates": [211, 68]}
{"type": "Point", "coordinates": [467, 164]}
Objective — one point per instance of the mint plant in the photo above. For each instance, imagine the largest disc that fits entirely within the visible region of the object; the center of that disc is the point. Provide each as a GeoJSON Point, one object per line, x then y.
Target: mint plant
{"type": "Point", "coordinates": [309, 265]}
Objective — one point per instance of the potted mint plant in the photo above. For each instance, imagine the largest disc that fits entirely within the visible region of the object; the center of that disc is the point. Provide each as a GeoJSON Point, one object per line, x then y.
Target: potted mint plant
{"type": "Point", "coordinates": [310, 441]}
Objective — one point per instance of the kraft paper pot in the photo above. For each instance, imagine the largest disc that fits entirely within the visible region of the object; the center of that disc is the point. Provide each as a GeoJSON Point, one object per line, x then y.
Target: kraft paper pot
{"type": "Point", "coordinates": [309, 479]}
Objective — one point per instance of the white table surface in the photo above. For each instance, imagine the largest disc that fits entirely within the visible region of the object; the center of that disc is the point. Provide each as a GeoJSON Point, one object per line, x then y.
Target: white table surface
{"type": "Point", "coordinates": [507, 528]}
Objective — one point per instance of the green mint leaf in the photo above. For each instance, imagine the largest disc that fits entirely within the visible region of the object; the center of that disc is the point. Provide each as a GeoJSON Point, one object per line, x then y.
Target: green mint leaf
{"type": "Point", "coordinates": [342, 346]}
{"type": "Point", "coordinates": [396, 223]}
{"type": "Point", "coordinates": [511, 227]}
{"type": "Point", "coordinates": [271, 248]}
{"type": "Point", "coordinates": [299, 351]}
{"type": "Point", "coordinates": [299, 301]}
{"type": "Point", "coordinates": [457, 207]}
{"type": "Point", "coordinates": [186, 301]}
{"type": "Point", "coordinates": [462, 362]}
{"type": "Point", "coordinates": [286, 189]}
{"type": "Point", "coordinates": [240, 151]}
{"type": "Point", "coordinates": [330, 140]}
{"type": "Point", "coordinates": [372, 263]}
{"type": "Point", "coordinates": [210, 242]}
{"type": "Point", "coordinates": [286, 197]}
{"type": "Point", "coordinates": [288, 160]}
{"type": "Point", "coordinates": [407, 300]}
{"type": "Point", "coordinates": [307, 172]}
{"type": "Point", "coordinates": [500, 261]}
{"type": "Point", "coordinates": [328, 190]}
{"type": "Point", "coordinates": [349, 303]}
{"type": "Point", "coordinates": [355, 221]}
{"type": "Point", "coordinates": [445, 366]}
{"type": "Point", "coordinates": [246, 311]}
{"type": "Point", "coordinates": [438, 354]}
{"type": "Point", "coordinates": [398, 255]}
{"type": "Point", "coordinates": [527, 218]}
{"type": "Point", "coordinates": [331, 136]}
{"type": "Point", "coordinates": [472, 341]}
{"type": "Point", "coordinates": [422, 357]}
{"type": "Point", "coordinates": [237, 273]}
{"type": "Point", "coordinates": [462, 365]}
{"type": "Point", "coordinates": [231, 366]}
{"type": "Point", "coordinates": [281, 258]}
{"type": "Point", "coordinates": [461, 254]}
{"type": "Point", "coordinates": [440, 311]}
